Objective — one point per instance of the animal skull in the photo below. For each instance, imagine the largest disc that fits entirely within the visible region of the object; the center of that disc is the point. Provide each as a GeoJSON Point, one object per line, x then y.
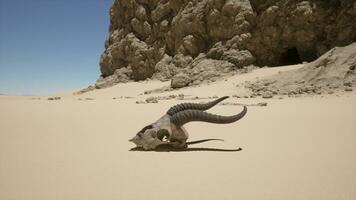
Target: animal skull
{"type": "Point", "coordinates": [169, 128]}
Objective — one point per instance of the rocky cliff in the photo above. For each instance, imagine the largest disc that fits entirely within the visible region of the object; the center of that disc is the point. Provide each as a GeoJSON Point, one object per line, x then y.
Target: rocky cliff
{"type": "Point", "coordinates": [190, 41]}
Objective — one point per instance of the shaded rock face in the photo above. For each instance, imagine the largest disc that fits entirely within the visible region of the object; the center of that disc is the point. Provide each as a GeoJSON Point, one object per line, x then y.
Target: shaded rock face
{"type": "Point", "coordinates": [293, 30]}
{"type": "Point", "coordinates": [335, 70]}
{"type": "Point", "coordinates": [162, 38]}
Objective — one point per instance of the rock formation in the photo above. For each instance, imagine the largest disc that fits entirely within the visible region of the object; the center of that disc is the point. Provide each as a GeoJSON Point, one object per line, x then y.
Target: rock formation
{"type": "Point", "coordinates": [289, 31]}
{"type": "Point", "coordinates": [335, 70]}
{"type": "Point", "coordinates": [203, 39]}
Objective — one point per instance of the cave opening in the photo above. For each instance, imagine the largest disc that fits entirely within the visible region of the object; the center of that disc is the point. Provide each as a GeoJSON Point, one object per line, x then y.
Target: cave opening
{"type": "Point", "coordinates": [291, 57]}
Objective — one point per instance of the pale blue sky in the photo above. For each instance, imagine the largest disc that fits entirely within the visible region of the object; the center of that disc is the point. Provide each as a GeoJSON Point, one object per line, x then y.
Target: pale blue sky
{"type": "Point", "coordinates": [49, 46]}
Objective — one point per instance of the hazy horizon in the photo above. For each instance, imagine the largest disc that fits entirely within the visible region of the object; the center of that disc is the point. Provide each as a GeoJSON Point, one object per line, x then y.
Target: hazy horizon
{"type": "Point", "coordinates": [51, 46]}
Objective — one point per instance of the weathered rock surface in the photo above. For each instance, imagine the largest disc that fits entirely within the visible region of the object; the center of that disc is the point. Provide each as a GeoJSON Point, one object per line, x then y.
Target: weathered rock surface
{"type": "Point", "coordinates": [287, 31]}
{"type": "Point", "coordinates": [165, 69]}
{"type": "Point", "coordinates": [180, 80]}
{"type": "Point", "coordinates": [335, 70]}
{"type": "Point", "coordinates": [162, 38]}
{"type": "Point", "coordinates": [121, 75]}
{"type": "Point", "coordinates": [203, 69]}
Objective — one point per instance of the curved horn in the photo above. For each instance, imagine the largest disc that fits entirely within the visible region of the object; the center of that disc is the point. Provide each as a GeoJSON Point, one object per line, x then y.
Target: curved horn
{"type": "Point", "coordinates": [186, 116]}
{"type": "Point", "coordinates": [194, 106]}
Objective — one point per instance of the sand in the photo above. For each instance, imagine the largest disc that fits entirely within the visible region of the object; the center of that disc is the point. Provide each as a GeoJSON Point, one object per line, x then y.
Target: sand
{"type": "Point", "coordinates": [294, 148]}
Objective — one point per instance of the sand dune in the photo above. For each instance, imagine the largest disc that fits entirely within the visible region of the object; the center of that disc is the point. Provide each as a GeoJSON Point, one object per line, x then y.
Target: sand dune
{"type": "Point", "coordinates": [294, 148]}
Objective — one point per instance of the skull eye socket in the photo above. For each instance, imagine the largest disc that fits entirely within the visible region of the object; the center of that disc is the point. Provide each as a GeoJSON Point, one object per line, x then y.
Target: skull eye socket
{"type": "Point", "coordinates": [139, 134]}
{"type": "Point", "coordinates": [162, 134]}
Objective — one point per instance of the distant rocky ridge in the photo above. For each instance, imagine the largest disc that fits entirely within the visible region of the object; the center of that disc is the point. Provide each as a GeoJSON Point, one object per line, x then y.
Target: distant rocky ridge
{"type": "Point", "coordinates": [192, 41]}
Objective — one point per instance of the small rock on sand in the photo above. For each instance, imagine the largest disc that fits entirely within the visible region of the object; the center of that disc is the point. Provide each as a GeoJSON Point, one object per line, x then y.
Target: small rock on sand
{"type": "Point", "coordinates": [267, 95]}
{"type": "Point", "coordinates": [262, 104]}
{"type": "Point", "coordinates": [348, 89]}
{"type": "Point", "coordinates": [180, 80]}
{"type": "Point", "coordinates": [236, 96]}
{"type": "Point", "coordinates": [54, 98]}
{"type": "Point", "coordinates": [151, 100]}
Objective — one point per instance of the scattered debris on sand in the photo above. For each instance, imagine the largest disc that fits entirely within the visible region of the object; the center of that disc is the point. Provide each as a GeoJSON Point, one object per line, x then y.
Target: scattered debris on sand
{"type": "Point", "coordinates": [153, 99]}
{"type": "Point", "coordinates": [243, 104]}
{"type": "Point", "coordinates": [53, 98]}
{"type": "Point", "coordinates": [158, 90]}
{"type": "Point", "coordinates": [123, 97]}
{"type": "Point", "coordinates": [156, 99]}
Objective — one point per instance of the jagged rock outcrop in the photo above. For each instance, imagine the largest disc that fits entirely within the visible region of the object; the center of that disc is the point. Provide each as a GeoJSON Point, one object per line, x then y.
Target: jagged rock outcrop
{"type": "Point", "coordinates": [162, 38]}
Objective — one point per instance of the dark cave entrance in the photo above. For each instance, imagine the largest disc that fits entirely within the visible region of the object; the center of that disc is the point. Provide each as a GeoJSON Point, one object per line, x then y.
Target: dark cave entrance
{"type": "Point", "coordinates": [290, 57]}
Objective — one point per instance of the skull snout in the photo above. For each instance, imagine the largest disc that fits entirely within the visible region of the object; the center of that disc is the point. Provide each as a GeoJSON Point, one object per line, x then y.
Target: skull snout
{"type": "Point", "coordinates": [132, 139]}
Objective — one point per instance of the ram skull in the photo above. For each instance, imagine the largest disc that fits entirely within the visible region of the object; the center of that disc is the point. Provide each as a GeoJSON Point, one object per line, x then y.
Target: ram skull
{"type": "Point", "coordinates": [169, 130]}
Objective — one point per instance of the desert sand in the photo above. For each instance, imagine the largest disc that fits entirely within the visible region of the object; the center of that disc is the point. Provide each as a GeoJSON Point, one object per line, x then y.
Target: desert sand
{"type": "Point", "coordinates": [77, 148]}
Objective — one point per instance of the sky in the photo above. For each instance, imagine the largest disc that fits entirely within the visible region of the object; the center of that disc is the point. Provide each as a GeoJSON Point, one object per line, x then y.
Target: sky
{"type": "Point", "coordinates": [50, 46]}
